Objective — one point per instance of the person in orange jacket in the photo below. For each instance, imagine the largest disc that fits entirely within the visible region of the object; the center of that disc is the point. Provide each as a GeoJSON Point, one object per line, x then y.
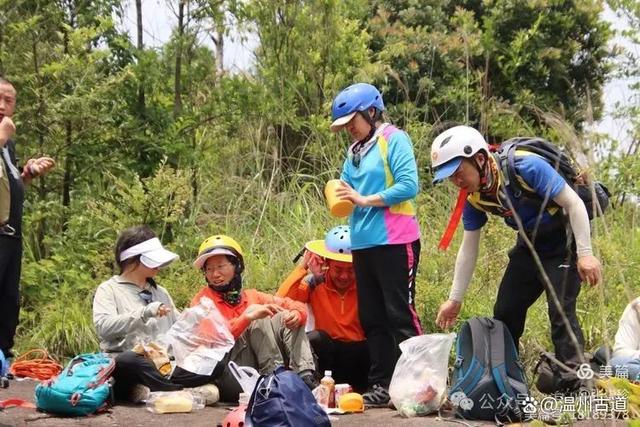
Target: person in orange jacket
{"type": "Point", "coordinates": [269, 330]}
{"type": "Point", "coordinates": [325, 280]}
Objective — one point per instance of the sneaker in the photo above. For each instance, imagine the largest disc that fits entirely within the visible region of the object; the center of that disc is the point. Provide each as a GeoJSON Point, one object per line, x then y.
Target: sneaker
{"type": "Point", "coordinates": [7, 230]}
{"type": "Point", "coordinates": [209, 392]}
{"type": "Point", "coordinates": [376, 397]}
{"type": "Point", "coordinates": [139, 393]}
{"type": "Point", "coordinates": [309, 378]}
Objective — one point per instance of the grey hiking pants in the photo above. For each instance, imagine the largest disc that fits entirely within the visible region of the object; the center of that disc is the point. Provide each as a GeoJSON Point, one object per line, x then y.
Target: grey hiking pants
{"type": "Point", "coordinates": [264, 345]}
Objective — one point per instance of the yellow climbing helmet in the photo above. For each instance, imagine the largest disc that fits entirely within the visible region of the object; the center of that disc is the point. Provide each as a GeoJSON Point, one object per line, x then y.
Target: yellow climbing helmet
{"type": "Point", "coordinates": [218, 244]}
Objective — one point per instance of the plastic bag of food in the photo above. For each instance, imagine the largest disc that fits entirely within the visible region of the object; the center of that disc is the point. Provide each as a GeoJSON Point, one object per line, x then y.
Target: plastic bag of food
{"type": "Point", "coordinates": [419, 382]}
{"type": "Point", "coordinates": [171, 402]}
{"type": "Point", "coordinates": [200, 338]}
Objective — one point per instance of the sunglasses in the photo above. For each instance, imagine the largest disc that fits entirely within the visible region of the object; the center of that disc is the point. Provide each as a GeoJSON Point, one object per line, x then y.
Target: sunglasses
{"type": "Point", "coordinates": [355, 160]}
{"type": "Point", "coordinates": [146, 296]}
{"type": "Point", "coordinates": [357, 157]}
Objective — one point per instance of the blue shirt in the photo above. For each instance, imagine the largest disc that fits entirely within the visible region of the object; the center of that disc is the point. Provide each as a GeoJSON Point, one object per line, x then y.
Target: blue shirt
{"type": "Point", "coordinates": [537, 174]}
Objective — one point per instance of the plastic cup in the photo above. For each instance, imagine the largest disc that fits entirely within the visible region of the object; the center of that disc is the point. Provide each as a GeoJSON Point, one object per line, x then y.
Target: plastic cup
{"type": "Point", "coordinates": [338, 207]}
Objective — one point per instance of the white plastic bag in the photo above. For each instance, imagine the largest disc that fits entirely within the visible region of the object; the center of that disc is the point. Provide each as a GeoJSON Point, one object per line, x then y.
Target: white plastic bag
{"type": "Point", "coordinates": [419, 382]}
{"type": "Point", "coordinates": [200, 338]}
{"type": "Point", "coordinates": [246, 376]}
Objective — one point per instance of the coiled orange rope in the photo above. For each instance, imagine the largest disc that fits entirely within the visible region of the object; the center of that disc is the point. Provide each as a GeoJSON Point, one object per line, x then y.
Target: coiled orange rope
{"type": "Point", "coordinates": [41, 367]}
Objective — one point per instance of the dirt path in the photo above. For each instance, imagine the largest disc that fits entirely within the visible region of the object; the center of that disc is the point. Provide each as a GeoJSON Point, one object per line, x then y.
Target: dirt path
{"type": "Point", "coordinates": [134, 416]}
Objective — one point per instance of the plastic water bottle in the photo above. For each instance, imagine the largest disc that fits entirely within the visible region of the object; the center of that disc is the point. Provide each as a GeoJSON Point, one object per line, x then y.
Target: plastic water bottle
{"type": "Point", "coordinates": [329, 392]}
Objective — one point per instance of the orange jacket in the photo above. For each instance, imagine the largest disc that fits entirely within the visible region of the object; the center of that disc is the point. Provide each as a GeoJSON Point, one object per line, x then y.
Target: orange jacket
{"type": "Point", "coordinates": [334, 313]}
{"type": "Point", "coordinates": [234, 314]}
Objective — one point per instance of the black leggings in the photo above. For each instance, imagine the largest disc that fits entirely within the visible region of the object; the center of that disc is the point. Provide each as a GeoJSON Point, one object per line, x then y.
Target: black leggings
{"type": "Point", "coordinates": [347, 360]}
{"type": "Point", "coordinates": [133, 368]}
{"type": "Point", "coordinates": [386, 278]}
{"type": "Point", "coordinates": [10, 263]}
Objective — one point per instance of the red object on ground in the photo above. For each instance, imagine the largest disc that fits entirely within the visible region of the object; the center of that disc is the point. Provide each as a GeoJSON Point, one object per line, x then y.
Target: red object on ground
{"type": "Point", "coordinates": [18, 403]}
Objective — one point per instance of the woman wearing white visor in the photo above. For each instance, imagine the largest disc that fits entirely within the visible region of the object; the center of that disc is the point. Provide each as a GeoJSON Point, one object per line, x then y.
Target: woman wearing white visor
{"type": "Point", "coordinates": [130, 308]}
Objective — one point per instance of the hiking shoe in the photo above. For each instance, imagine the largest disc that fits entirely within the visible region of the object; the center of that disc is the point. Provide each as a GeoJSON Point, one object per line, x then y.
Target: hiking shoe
{"type": "Point", "coordinates": [376, 397]}
{"type": "Point", "coordinates": [209, 392]}
{"type": "Point", "coordinates": [7, 230]}
{"type": "Point", "coordinates": [139, 393]}
{"type": "Point", "coordinates": [309, 378]}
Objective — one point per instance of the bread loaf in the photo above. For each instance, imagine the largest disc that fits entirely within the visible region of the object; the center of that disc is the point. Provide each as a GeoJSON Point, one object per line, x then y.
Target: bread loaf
{"type": "Point", "coordinates": [173, 403]}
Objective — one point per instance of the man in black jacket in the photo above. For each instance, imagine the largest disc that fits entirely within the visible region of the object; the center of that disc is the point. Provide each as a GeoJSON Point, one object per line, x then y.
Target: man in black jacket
{"type": "Point", "coordinates": [12, 182]}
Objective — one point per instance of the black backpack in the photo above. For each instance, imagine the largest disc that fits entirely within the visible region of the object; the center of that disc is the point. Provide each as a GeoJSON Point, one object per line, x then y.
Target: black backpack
{"type": "Point", "coordinates": [488, 380]}
{"type": "Point", "coordinates": [561, 162]}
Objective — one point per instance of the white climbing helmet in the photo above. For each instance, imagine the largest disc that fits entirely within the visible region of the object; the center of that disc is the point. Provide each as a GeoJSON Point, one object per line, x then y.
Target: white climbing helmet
{"type": "Point", "coordinates": [451, 146]}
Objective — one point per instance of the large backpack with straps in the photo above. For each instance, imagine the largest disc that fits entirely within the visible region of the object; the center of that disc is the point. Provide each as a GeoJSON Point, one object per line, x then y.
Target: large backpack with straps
{"type": "Point", "coordinates": [82, 388]}
{"type": "Point", "coordinates": [561, 162]}
{"type": "Point", "coordinates": [282, 399]}
{"type": "Point", "coordinates": [488, 380]}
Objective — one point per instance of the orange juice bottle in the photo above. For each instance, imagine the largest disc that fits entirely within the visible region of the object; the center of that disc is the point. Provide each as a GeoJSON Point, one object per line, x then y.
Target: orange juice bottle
{"type": "Point", "coordinates": [329, 384]}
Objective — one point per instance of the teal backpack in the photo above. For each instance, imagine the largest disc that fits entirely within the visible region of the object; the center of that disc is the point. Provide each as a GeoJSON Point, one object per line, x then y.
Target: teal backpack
{"type": "Point", "coordinates": [82, 388]}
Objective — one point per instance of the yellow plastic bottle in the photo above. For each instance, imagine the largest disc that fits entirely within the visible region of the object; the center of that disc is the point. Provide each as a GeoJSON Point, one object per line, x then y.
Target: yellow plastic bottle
{"type": "Point", "coordinates": [329, 384]}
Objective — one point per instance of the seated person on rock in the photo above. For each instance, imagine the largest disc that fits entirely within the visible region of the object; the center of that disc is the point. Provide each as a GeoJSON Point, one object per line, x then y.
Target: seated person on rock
{"type": "Point", "coordinates": [325, 280]}
{"type": "Point", "coordinates": [269, 330]}
{"type": "Point", "coordinates": [131, 309]}
{"type": "Point", "coordinates": [626, 350]}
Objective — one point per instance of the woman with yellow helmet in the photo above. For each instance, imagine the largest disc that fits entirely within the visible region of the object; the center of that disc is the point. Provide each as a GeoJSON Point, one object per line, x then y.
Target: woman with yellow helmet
{"type": "Point", "coordinates": [269, 330]}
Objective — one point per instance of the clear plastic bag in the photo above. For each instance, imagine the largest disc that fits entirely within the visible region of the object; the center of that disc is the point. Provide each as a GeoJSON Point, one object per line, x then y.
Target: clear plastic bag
{"type": "Point", "coordinates": [171, 402]}
{"type": "Point", "coordinates": [200, 338]}
{"type": "Point", "coordinates": [419, 382]}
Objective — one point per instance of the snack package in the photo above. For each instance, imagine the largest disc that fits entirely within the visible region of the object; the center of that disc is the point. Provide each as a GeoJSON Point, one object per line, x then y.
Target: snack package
{"type": "Point", "coordinates": [171, 402]}
{"type": "Point", "coordinates": [157, 354]}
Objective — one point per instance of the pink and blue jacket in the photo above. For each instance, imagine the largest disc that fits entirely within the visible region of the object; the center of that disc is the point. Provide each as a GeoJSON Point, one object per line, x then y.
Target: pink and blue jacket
{"type": "Point", "coordinates": [386, 168]}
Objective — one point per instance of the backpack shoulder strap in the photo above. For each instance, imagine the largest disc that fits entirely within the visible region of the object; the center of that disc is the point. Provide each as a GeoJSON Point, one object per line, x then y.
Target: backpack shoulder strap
{"type": "Point", "coordinates": [498, 365]}
{"type": "Point", "coordinates": [479, 363]}
{"type": "Point", "coordinates": [506, 158]}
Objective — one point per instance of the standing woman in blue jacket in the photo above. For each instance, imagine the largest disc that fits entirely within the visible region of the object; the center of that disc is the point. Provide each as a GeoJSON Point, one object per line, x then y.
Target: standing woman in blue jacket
{"type": "Point", "coordinates": [380, 177]}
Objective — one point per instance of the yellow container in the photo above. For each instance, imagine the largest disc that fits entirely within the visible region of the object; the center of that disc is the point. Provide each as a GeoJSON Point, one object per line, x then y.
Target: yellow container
{"type": "Point", "coordinates": [338, 208]}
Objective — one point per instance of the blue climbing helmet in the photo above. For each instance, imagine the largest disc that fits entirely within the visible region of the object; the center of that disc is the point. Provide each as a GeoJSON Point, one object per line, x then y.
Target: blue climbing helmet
{"type": "Point", "coordinates": [336, 244]}
{"type": "Point", "coordinates": [355, 98]}
{"type": "Point", "coordinates": [338, 240]}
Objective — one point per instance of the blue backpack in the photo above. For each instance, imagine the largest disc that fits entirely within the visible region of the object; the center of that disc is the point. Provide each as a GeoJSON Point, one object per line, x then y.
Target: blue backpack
{"type": "Point", "coordinates": [82, 388]}
{"type": "Point", "coordinates": [488, 378]}
{"type": "Point", "coordinates": [282, 399]}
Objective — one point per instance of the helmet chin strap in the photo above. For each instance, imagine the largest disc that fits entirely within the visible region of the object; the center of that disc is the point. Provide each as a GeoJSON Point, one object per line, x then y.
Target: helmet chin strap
{"type": "Point", "coordinates": [230, 291]}
{"type": "Point", "coordinates": [372, 123]}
